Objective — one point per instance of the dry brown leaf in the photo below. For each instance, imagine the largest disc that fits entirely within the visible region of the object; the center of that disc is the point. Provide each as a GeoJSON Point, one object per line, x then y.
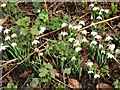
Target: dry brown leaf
{"type": "Point", "coordinates": [73, 83]}
{"type": "Point", "coordinates": [119, 24]}
{"type": "Point", "coordinates": [104, 86]}
{"type": "Point", "coordinates": [56, 73]}
{"type": "Point", "coordinates": [2, 20]}
{"type": "Point", "coordinates": [25, 74]}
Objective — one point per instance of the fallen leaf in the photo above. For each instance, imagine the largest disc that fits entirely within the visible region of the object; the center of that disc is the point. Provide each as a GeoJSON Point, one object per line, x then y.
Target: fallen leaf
{"type": "Point", "coordinates": [25, 74]}
{"type": "Point", "coordinates": [119, 24]}
{"type": "Point", "coordinates": [104, 86]}
{"type": "Point", "coordinates": [56, 73]}
{"type": "Point", "coordinates": [73, 83]}
{"type": "Point", "coordinates": [2, 20]}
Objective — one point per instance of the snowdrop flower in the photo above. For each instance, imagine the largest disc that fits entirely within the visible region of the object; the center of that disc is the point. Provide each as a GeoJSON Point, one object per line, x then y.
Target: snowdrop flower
{"type": "Point", "coordinates": [76, 43]}
{"type": "Point", "coordinates": [84, 40]}
{"type": "Point", "coordinates": [89, 72]}
{"type": "Point", "coordinates": [35, 42]}
{"type": "Point", "coordinates": [13, 35]}
{"type": "Point", "coordinates": [41, 53]}
{"type": "Point", "coordinates": [38, 10]}
{"type": "Point", "coordinates": [37, 37]}
{"type": "Point", "coordinates": [98, 37]}
{"type": "Point", "coordinates": [102, 51]}
{"type": "Point", "coordinates": [42, 29]}
{"type": "Point", "coordinates": [64, 25]}
{"type": "Point", "coordinates": [100, 46]}
{"type": "Point", "coordinates": [92, 23]}
{"type": "Point", "coordinates": [78, 49]}
{"type": "Point", "coordinates": [64, 33]}
{"type": "Point", "coordinates": [1, 27]}
{"type": "Point", "coordinates": [106, 10]}
{"type": "Point", "coordinates": [102, 10]}
{"type": "Point", "coordinates": [70, 26]}
{"type": "Point", "coordinates": [108, 38]}
{"type": "Point", "coordinates": [112, 47]}
{"type": "Point", "coordinates": [117, 51]}
{"type": "Point", "coordinates": [71, 39]}
{"type": "Point", "coordinates": [3, 47]}
{"type": "Point", "coordinates": [36, 49]}
{"type": "Point", "coordinates": [6, 31]}
{"type": "Point", "coordinates": [13, 44]}
{"type": "Point", "coordinates": [77, 27]}
{"type": "Point", "coordinates": [100, 13]}
{"type": "Point", "coordinates": [96, 8]}
{"type": "Point", "coordinates": [89, 64]}
{"type": "Point", "coordinates": [91, 5]}
{"type": "Point", "coordinates": [99, 18]}
{"type": "Point", "coordinates": [96, 76]}
{"type": "Point", "coordinates": [73, 58]}
{"type": "Point", "coordinates": [91, 17]}
{"type": "Point", "coordinates": [7, 38]}
{"type": "Point", "coordinates": [94, 33]}
{"type": "Point", "coordinates": [84, 32]}
{"type": "Point", "coordinates": [3, 5]}
{"type": "Point", "coordinates": [109, 55]}
{"type": "Point", "coordinates": [82, 23]}
{"type": "Point", "coordinates": [93, 43]}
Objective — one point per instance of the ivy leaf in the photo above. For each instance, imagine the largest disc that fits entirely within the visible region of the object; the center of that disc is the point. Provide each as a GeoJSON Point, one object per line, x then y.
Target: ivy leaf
{"type": "Point", "coordinates": [43, 72]}
{"type": "Point", "coordinates": [34, 30]}
{"type": "Point", "coordinates": [34, 82]}
{"type": "Point", "coordinates": [23, 31]}
{"type": "Point", "coordinates": [67, 70]}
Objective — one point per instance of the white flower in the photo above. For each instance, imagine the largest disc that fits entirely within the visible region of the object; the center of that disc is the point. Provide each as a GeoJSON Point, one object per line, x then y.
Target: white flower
{"type": "Point", "coordinates": [98, 37]}
{"type": "Point", "coordinates": [35, 42]}
{"type": "Point", "coordinates": [36, 49]}
{"type": "Point", "coordinates": [117, 51]}
{"type": "Point", "coordinates": [37, 37]}
{"type": "Point", "coordinates": [6, 31]}
{"type": "Point", "coordinates": [64, 33]}
{"type": "Point", "coordinates": [42, 29]}
{"type": "Point", "coordinates": [91, 17]}
{"type": "Point", "coordinates": [71, 39]}
{"type": "Point", "coordinates": [96, 8]}
{"type": "Point", "coordinates": [3, 47]}
{"type": "Point", "coordinates": [108, 38]}
{"type": "Point", "coordinates": [100, 13]}
{"type": "Point", "coordinates": [99, 18]}
{"type": "Point", "coordinates": [102, 51]}
{"type": "Point", "coordinates": [77, 27]}
{"type": "Point", "coordinates": [76, 43]}
{"type": "Point", "coordinates": [100, 46]}
{"type": "Point", "coordinates": [102, 10]}
{"type": "Point", "coordinates": [70, 26]}
{"type": "Point", "coordinates": [41, 53]}
{"type": "Point", "coordinates": [78, 49]}
{"type": "Point", "coordinates": [13, 44]}
{"type": "Point", "coordinates": [84, 40]}
{"type": "Point", "coordinates": [82, 23]}
{"type": "Point", "coordinates": [84, 32]}
{"type": "Point", "coordinates": [94, 33]}
{"type": "Point", "coordinates": [111, 47]}
{"type": "Point", "coordinates": [92, 23]}
{"type": "Point", "coordinates": [93, 42]}
{"type": "Point", "coordinates": [64, 25]}
{"type": "Point", "coordinates": [89, 64]}
{"type": "Point", "coordinates": [106, 10]}
{"type": "Point", "coordinates": [7, 38]}
{"type": "Point", "coordinates": [73, 58]}
{"type": "Point", "coordinates": [38, 10]}
{"type": "Point", "coordinates": [3, 5]}
{"type": "Point", "coordinates": [96, 76]}
{"type": "Point", "coordinates": [1, 27]}
{"type": "Point", "coordinates": [13, 35]}
{"type": "Point", "coordinates": [109, 55]}
{"type": "Point", "coordinates": [91, 5]}
{"type": "Point", "coordinates": [89, 72]}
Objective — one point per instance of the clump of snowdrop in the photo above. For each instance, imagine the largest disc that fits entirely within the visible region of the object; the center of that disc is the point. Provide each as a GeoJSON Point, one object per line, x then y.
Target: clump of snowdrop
{"type": "Point", "coordinates": [93, 42]}
{"type": "Point", "coordinates": [6, 31]}
{"type": "Point", "coordinates": [108, 38]}
{"type": "Point", "coordinates": [64, 25]}
{"type": "Point", "coordinates": [90, 64]}
{"type": "Point", "coordinates": [100, 46]}
{"type": "Point", "coordinates": [96, 8]}
{"type": "Point", "coordinates": [82, 23]}
{"type": "Point", "coordinates": [3, 5]}
{"type": "Point", "coordinates": [71, 39]}
{"type": "Point", "coordinates": [70, 26]}
{"type": "Point", "coordinates": [77, 27]}
{"type": "Point", "coordinates": [96, 76]}
{"type": "Point", "coordinates": [35, 42]}
{"type": "Point", "coordinates": [94, 33]}
{"type": "Point", "coordinates": [111, 47]}
{"type": "Point", "coordinates": [84, 39]}
{"type": "Point", "coordinates": [78, 49]}
{"type": "Point", "coordinates": [73, 58]}
{"type": "Point", "coordinates": [99, 18]}
{"type": "Point", "coordinates": [7, 38]}
{"type": "Point", "coordinates": [76, 43]}
{"type": "Point", "coordinates": [84, 32]}
{"type": "Point", "coordinates": [42, 29]}
{"type": "Point", "coordinates": [63, 33]}
{"type": "Point", "coordinates": [98, 37]}
{"type": "Point", "coordinates": [14, 44]}
{"type": "Point", "coordinates": [109, 55]}
{"type": "Point", "coordinates": [13, 35]}
{"type": "Point", "coordinates": [3, 47]}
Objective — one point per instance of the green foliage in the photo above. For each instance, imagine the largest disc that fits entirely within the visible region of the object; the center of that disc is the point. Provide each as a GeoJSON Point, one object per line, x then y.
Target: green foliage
{"type": "Point", "coordinates": [114, 8]}
{"type": "Point", "coordinates": [35, 82]}
{"type": "Point", "coordinates": [11, 86]}
{"type": "Point", "coordinates": [117, 84]}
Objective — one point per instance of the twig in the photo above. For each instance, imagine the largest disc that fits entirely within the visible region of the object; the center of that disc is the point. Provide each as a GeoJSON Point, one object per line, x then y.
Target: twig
{"type": "Point", "coordinates": [63, 74]}
{"type": "Point", "coordinates": [110, 26]}
{"type": "Point", "coordinates": [98, 23]}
